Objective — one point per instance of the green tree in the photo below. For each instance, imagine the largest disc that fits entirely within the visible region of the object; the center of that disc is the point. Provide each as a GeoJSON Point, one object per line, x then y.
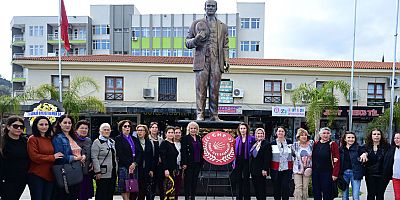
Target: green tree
{"type": "Point", "coordinates": [10, 105]}
{"type": "Point", "coordinates": [382, 122]}
{"type": "Point", "coordinates": [72, 101]}
{"type": "Point", "coordinates": [320, 99]}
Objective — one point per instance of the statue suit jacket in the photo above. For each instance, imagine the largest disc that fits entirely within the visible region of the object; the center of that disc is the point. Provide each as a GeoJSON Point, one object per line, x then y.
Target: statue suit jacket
{"type": "Point", "coordinates": [199, 50]}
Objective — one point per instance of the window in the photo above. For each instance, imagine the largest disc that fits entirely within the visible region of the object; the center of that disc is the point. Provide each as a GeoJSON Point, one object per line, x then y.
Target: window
{"type": "Point", "coordinates": [244, 46]}
{"type": "Point", "coordinates": [156, 52]}
{"type": "Point", "coordinates": [167, 89]}
{"type": "Point", "coordinates": [376, 95]}
{"type": "Point", "coordinates": [232, 31]}
{"type": "Point", "coordinates": [117, 29]}
{"type": "Point", "coordinates": [273, 92]}
{"type": "Point", "coordinates": [136, 52]}
{"type": "Point", "coordinates": [136, 32]}
{"type": "Point", "coordinates": [255, 46]}
{"type": "Point", "coordinates": [232, 53]}
{"type": "Point", "coordinates": [114, 88]}
{"type": "Point", "coordinates": [55, 81]}
{"type": "Point", "coordinates": [178, 32]}
{"type": "Point", "coordinates": [166, 52]}
{"type": "Point", "coordinates": [101, 44]}
{"type": "Point", "coordinates": [36, 50]}
{"type": "Point", "coordinates": [101, 29]}
{"type": "Point", "coordinates": [166, 32]}
{"type": "Point", "coordinates": [156, 32]}
{"type": "Point", "coordinates": [187, 53]}
{"type": "Point", "coordinates": [255, 22]}
{"type": "Point", "coordinates": [245, 23]}
{"type": "Point", "coordinates": [319, 84]}
{"type": "Point", "coordinates": [146, 52]}
{"type": "Point", "coordinates": [177, 52]}
{"type": "Point", "coordinates": [126, 30]}
{"type": "Point", "coordinates": [36, 30]}
{"type": "Point", "coordinates": [146, 32]}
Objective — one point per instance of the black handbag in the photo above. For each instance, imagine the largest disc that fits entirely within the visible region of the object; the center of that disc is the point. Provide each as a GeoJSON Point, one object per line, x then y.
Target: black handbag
{"type": "Point", "coordinates": [342, 184]}
{"type": "Point", "coordinates": [68, 174]}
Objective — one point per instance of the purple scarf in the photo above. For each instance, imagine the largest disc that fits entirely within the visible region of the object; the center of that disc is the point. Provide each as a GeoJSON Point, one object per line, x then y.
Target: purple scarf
{"type": "Point", "coordinates": [130, 141]}
{"type": "Point", "coordinates": [247, 146]}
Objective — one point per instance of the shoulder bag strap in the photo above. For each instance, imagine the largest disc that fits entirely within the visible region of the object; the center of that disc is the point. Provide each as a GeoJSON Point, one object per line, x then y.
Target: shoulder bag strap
{"type": "Point", "coordinates": [105, 157]}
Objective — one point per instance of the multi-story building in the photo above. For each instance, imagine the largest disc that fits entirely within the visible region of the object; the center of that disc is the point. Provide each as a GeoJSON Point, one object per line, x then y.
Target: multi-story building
{"type": "Point", "coordinates": [154, 88]}
{"type": "Point", "coordinates": [121, 29]}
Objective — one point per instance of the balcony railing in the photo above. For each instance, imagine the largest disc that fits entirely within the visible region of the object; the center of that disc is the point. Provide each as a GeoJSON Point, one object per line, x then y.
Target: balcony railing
{"type": "Point", "coordinates": [18, 55]}
{"type": "Point", "coordinates": [18, 75]}
{"type": "Point", "coordinates": [18, 38]}
{"type": "Point", "coordinates": [18, 92]}
{"type": "Point", "coordinates": [70, 37]}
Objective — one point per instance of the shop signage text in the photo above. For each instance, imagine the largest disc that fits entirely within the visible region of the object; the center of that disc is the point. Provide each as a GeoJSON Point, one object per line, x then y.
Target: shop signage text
{"type": "Point", "coordinates": [357, 111]}
{"type": "Point", "coordinates": [285, 111]}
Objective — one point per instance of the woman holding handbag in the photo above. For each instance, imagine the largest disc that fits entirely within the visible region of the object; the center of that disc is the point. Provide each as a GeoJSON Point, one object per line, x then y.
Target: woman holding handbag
{"type": "Point", "coordinates": [82, 130]}
{"type": "Point", "coordinates": [168, 155]}
{"type": "Point", "coordinates": [64, 142]}
{"type": "Point", "coordinates": [104, 163]}
{"type": "Point", "coordinates": [14, 159]}
{"type": "Point", "coordinates": [126, 147]}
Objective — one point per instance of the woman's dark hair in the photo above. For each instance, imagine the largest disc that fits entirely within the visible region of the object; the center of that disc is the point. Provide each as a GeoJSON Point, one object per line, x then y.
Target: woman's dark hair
{"type": "Point", "coordinates": [35, 130]}
{"type": "Point", "coordinates": [153, 123]}
{"type": "Point", "coordinates": [121, 124]}
{"type": "Point", "coordinates": [247, 129]}
{"type": "Point", "coordinates": [168, 128]}
{"type": "Point", "coordinates": [81, 122]}
{"type": "Point", "coordinates": [343, 139]}
{"type": "Point", "coordinates": [369, 143]}
{"type": "Point", "coordinates": [58, 126]}
{"type": "Point", "coordinates": [10, 120]}
{"type": "Point", "coordinates": [394, 144]}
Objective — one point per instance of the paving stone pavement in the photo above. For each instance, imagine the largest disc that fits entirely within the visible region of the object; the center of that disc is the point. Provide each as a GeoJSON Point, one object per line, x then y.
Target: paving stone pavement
{"type": "Point", "coordinates": [389, 194]}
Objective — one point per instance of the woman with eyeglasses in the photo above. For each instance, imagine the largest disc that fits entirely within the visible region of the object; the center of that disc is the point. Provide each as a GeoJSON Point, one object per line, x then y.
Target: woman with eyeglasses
{"type": "Point", "coordinates": [325, 165]}
{"type": "Point", "coordinates": [104, 163]}
{"type": "Point", "coordinates": [64, 142]}
{"type": "Point", "coordinates": [376, 146]}
{"type": "Point", "coordinates": [14, 159]}
{"type": "Point", "coordinates": [84, 141]}
{"type": "Point", "coordinates": [42, 157]}
{"type": "Point", "coordinates": [168, 155]}
{"type": "Point", "coordinates": [127, 156]}
{"type": "Point", "coordinates": [146, 164]}
{"type": "Point", "coordinates": [281, 164]}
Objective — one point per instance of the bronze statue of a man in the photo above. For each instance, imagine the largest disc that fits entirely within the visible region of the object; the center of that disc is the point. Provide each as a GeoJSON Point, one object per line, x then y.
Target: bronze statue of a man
{"type": "Point", "coordinates": [209, 38]}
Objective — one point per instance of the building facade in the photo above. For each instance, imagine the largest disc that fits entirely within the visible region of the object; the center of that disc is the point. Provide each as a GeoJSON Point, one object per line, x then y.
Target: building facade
{"type": "Point", "coordinates": [152, 88]}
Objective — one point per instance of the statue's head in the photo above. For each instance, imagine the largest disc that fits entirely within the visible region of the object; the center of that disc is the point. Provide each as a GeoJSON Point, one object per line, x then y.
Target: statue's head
{"type": "Point", "coordinates": [210, 6]}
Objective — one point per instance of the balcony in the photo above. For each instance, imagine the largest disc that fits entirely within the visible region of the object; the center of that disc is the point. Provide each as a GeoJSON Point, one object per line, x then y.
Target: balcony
{"type": "Point", "coordinates": [73, 39]}
{"type": "Point", "coordinates": [18, 40]}
{"type": "Point", "coordinates": [18, 77]}
{"type": "Point", "coordinates": [18, 55]}
{"type": "Point", "coordinates": [18, 92]}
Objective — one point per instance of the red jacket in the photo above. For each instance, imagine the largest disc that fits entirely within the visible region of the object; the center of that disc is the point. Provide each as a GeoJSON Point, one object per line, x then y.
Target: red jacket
{"type": "Point", "coordinates": [334, 154]}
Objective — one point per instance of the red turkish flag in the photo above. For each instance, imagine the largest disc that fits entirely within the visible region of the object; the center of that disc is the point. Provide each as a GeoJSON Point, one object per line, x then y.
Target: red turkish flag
{"type": "Point", "coordinates": [64, 27]}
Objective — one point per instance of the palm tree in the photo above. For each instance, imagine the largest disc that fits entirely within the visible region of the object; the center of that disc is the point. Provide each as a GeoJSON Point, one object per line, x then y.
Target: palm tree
{"type": "Point", "coordinates": [73, 102]}
{"type": "Point", "coordinates": [382, 122]}
{"type": "Point", "coordinates": [10, 105]}
{"type": "Point", "coordinates": [318, 100]}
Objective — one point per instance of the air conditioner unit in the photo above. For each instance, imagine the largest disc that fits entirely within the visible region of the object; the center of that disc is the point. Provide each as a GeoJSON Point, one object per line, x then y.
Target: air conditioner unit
{"type": "Point", "coordinates": [289, 86]}
{"type": "Point", "coordinates": [355, 96]}
{"type": "Point", "coordinates": [134, 38]}
{"type": "Point", "coordinates": [238, 93]}
{"type": "Point", "coordinates": [396, 82]}
{"type": "Point", "coordinates": [148, 93]}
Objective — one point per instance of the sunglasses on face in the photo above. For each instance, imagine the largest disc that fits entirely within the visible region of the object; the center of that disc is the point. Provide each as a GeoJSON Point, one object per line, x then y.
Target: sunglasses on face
{"type": "Point", "coordinates": [127, 126]}
{"type": "Point", "coordinates": [16, 126]}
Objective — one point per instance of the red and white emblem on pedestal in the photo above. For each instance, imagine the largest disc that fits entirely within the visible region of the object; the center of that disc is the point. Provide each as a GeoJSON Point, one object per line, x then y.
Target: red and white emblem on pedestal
{"type": "Point", "coordinates": [219, 148]}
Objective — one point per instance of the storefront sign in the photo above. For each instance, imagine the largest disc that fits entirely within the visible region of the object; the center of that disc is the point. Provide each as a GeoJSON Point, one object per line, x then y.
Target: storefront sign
{"type": "Point", "coordinates": [230, 110]}
{"type": "Point", "coordinates": [362, 111]}
{"type": "Point", "coordinates": [285, 111]}
{"type": "Point", "coordinates": [218, 148]}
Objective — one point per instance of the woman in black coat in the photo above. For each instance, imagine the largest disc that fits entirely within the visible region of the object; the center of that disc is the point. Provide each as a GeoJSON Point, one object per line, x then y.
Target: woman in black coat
{"type": "Point", "coordinates": [376, 146]}
{"type": "Point", "coordinates": [260, 160]}
{"type": "Point", "coordinates": [191, 159]}
{"type": "Point", "coordinates": [168, 155]}
{"type": "Point", "coordinates": [147, 163]}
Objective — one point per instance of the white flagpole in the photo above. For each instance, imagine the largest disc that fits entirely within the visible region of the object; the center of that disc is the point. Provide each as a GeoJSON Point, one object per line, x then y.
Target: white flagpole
{"type": "Point", "coordinates": [393, 73]}
{"type": "Point", "coordinates": [59, 51]}
{"type": "Point", "coordinates": [352, 69]}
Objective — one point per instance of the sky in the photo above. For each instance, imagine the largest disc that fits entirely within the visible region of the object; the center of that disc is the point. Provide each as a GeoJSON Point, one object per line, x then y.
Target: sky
{"type": "Point", "coordinates": [294, 29]}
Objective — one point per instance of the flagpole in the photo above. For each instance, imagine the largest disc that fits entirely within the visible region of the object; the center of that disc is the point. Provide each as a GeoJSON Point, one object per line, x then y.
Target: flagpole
{"type": "Point", "coordinates": [352, 69]}
{"type": "Point", "coordinates": [393, 73]}
{"type": "Point", "coordinates": [59, 51]}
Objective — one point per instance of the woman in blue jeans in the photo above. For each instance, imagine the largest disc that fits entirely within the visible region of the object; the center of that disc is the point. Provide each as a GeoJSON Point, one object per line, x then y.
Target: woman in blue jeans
{"type": "Point", "coordinates": [352, 157]}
